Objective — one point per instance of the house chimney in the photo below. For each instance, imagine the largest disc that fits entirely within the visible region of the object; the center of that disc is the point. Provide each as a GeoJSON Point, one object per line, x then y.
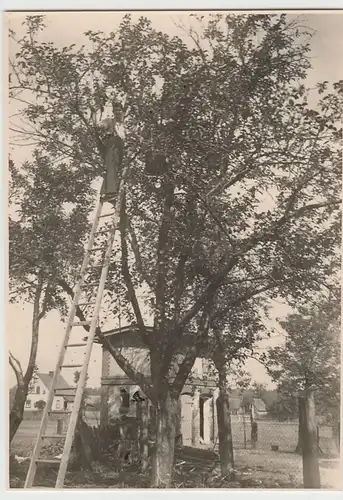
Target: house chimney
{"type": "Point", "coordinates": [51, 374]}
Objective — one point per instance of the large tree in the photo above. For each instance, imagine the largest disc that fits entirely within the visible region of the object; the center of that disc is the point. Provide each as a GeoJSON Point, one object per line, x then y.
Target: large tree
{"type": "Point", "coordinates": [234, 179]}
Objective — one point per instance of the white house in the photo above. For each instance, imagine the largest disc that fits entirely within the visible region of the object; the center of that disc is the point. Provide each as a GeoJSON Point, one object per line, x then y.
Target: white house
{"type": "Point", "coordinates": [41, 384]}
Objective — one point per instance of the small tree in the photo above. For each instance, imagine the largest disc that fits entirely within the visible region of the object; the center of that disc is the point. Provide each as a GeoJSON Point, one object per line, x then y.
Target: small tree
{"type": "Point", "coordinates": [43, 250]}
{"type": "Point", "coordinates": [40, 405]}
{"type": "Point", "coordinates": [230, 341]}
{"type": "Point", "coordinates": [309, 363]}
{"type": "Point", "coordinates": [285, 406]}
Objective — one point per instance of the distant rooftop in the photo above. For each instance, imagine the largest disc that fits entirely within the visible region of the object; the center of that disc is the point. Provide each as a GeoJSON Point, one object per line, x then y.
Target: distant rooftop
{"type": "Point", "coordinates": [61, 384]}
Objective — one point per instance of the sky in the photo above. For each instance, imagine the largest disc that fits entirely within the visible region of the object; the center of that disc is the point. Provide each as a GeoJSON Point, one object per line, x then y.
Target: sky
{"type": "Point", "coordinates": [68, 28]}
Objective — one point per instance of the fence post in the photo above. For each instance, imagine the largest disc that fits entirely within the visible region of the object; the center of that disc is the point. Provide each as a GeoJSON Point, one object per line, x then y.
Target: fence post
{"type": "Point", "coordinates": [320, 452]}
{"type": "Point", "coordinates": [308, 430]}
{"type": "Point", "coordinates": [143, 413]}
{"type": "Point", "coordinates": [195, 418]}
{"type": "Point", "coordinates": [244, 433]}
{"type": "Point", "coordinates": [253, 434]}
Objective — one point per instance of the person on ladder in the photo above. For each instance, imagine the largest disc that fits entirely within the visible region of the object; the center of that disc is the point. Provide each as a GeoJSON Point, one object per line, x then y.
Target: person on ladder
{"type": "Point", "coordinates": [114, 150]}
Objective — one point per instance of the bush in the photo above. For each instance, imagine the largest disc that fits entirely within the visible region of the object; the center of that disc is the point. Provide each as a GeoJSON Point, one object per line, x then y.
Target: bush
{"type": "Point", "coordinates": [40, 405]}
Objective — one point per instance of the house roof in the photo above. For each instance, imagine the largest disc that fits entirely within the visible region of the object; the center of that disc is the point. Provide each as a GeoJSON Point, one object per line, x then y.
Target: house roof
{"type": "Point", "coordinates": [62, 387]}
{"type": "Point", "coordinates": [259, 404]}
{"type": "Point", "coordinates": [235, 403]}
{"type": "Point", "coordinates": [128, 336]}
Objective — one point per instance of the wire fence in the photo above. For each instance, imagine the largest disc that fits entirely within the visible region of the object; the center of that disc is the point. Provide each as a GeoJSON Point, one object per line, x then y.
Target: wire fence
{"type": "Point", "coordinates": [272, 435]}
{"type": "Point", "coordinates": [275, 436]}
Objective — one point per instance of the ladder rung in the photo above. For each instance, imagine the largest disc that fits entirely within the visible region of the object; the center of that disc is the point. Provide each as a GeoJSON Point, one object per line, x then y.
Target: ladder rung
{"type": "Point", "coordinates": [71, 366]}
{"type": "Point", "coordinates": [48, 460]}
{"type": "Point", "coordinates": [66, 389]}
{"type": "Point", "coordinates": [81, 323]}
{"type": "Point", "coordinates": [90, 284]}
{"type": "Point", "coordinates": [81, 304]}
{"type": "Point", "coordinates": [106, 215]}
{"type": "Point", "coordinates": [53, 436]}
{"type": "Point", "coordinates": [76, 345]}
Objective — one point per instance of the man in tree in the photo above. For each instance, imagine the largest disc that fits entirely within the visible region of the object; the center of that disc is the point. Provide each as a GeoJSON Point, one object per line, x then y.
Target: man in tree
{"type": "Point", "coordinates": [113, 153]}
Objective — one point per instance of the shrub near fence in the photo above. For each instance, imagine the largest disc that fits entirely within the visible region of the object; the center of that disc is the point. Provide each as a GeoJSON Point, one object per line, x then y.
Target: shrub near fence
{"type": "Point", "coordinates": [282, 436]}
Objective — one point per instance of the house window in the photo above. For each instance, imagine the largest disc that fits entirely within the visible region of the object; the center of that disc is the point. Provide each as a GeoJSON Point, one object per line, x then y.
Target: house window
{"type": "Point", "coordinates": [43, 392]}
{"type": "Point", "coordinates": [28, 403]}
{"type": "Point", "coordinates": [58, 404]}
{"type": "Point", "coordinates": [37, 389]}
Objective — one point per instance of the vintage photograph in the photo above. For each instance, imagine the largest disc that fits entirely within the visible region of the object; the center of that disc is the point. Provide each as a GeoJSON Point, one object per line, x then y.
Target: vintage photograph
{"type": "Point", "coordinates": [174, 259]}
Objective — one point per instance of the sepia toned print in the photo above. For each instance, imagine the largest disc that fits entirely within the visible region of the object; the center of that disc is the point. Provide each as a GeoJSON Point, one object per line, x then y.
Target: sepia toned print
{"type": "Point", "coordinates": [174, 249]}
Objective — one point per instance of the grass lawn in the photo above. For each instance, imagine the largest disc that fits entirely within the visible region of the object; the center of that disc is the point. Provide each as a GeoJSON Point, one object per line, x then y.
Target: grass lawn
{"type": "Point", "coordinates": [282, 434]}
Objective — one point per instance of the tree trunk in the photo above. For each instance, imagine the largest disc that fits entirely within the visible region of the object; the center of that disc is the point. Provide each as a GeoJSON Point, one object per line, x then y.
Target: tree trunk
{"type": "Point", "coordinates": [17, 410]}
{"type": "Point", "coordinates": [336, 432]}
{"type": "Point", "coordinates": [163, 458]}
{"type": "Point", "coordinates": [308, 429]}
{"type": "Point", "coordinates": [23, 381]}
{"type": "Point", "coordinates": [254, 434]}
{"type": "Point", "coordinates": [83, 444]}
{"type": "Point", "coordinates": [143, 418]}
{"type": "Point", "coordinates": [298, 448]}
{"type": "Point", "coordinates": [224, 424]}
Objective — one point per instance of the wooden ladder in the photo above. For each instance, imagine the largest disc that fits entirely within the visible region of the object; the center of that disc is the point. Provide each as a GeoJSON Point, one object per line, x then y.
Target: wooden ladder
{"type": "Point", "coordinates": [80, 288]}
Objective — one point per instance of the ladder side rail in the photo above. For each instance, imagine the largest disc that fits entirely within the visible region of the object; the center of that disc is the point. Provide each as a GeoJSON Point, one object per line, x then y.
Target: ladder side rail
{"type": "Point", "coordinates": [43, 425]}
{"type": "Point", "coordinates": [89, 248]}
{"type": "Point", "coordinates": [82, 379]}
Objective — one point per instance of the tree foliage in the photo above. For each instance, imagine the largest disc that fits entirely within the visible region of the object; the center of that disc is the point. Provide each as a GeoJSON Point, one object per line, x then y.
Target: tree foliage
{"type": "Point", "coordinates": [310, 358]}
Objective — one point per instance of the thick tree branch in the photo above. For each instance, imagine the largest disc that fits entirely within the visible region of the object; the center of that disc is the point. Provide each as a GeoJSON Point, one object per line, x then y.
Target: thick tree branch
{"type": "Point", "coordinates": [34, 330]}
{"type": "Point", "coordinates": [126, 366]}
{"type": "Point", "coordinates": [45, 302]}
{"type": "Point", "coordinates": [127, 277]}
{"type": "Point", "coordinates": [243, 298]}
{"type": "Point", "coordinates": [16, 367]}
{"type": "Point", "coordinates": [130, 371]}
{"type": "Point", "coordinates": [162, 245]}
{"type": "Point", "coordinates": [137, 253]}
{"type": "Point", "coordinates": [249, 244]}
{"type": "Point", "coordinates": [192, 353]}
{"type": "Point", "coordinates": [179, 285]}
